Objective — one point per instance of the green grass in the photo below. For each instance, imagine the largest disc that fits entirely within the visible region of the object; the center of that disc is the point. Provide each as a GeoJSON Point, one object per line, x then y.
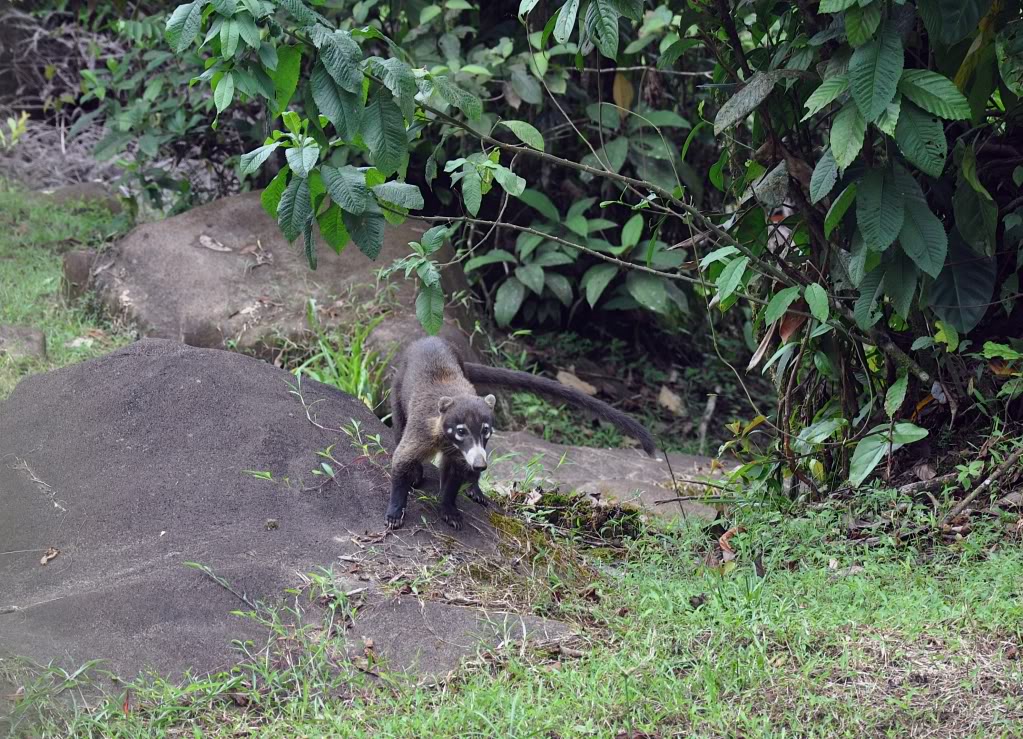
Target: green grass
{"type": "Point", "coordinates": [910, 642]}
{"type": "Point", "coordinates": [33, 236]}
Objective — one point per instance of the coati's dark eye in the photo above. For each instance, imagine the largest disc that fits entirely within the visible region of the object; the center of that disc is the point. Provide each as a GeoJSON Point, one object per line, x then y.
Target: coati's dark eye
{"type": "Point", "coordinates": [486, 431]}
{"type": "Point", "coordinates": [460, 432]}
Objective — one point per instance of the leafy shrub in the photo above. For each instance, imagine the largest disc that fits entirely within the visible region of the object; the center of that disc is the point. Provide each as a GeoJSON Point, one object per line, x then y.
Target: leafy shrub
{"type": "Point", "coordinates": [866, 193]}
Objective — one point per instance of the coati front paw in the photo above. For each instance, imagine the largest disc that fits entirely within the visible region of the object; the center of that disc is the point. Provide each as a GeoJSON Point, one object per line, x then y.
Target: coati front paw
{"type": "Point", "coordinates": [452, 517]}
{"type": "Point", "coordinates": [475, 494]}
{"type": "Point", "coordinates": [395, 519]}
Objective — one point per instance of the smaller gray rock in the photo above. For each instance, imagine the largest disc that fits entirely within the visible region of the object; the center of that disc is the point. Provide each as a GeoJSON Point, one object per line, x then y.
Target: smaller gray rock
{"type": "Point", "coordinates": [22, 342]}
{"type": "Point", "coordinates": [623, 475]}
{"type": "Point", "coordinates": [78, 266]}
{"type": "Point", "coordinates": [84, 193]}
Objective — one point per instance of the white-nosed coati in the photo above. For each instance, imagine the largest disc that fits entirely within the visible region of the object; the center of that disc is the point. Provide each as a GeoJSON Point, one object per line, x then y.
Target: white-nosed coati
{"type": "Point", "coordinates": [435, 409]}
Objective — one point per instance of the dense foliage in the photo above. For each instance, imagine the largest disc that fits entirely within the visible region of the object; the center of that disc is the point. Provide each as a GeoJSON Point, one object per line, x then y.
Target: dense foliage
{"type": "Point", "coordinates": [863, 217]}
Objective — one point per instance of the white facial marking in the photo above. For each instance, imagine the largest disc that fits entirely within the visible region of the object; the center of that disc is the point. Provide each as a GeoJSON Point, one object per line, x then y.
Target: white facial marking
{"type": "Point", "coordinates": [476, 456]}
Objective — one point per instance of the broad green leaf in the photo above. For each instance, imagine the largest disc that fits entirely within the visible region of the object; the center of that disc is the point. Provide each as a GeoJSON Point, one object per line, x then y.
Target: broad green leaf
{"type": "Point", "coordinates": [525, 6]}
{"type": "Point", "coordinates": [347, 187]}
{"type": "Point", "coordinates": [907, 433]}
{"type": "Point", "coordinates": [268, 56]}
{"type": "Point", "coordinates": [950, 21]}
{"type": "Point", "coordinates": [225, 7]}
{"type": "Point", "coordinates": [934, 93]}
{"type": "Point", "coordinates": [310, 244]}
{"type": "Point", "coordinates": [531, 275]}
{"type": "Point", "coordinates": [229, 35]}
{"type": "Point", "coordinates": [342, 108]}
{"type": "Point", "coordinates": [332, 228]}
{"type": "Point", "coordinates": [285, 77]}
{"type": "Point", "coordinates": [663, 119]}
{"type": "Point", "coordinates": [887, 121]}
{"type": "Point", "coordinates": [611, 156]}
{"type": "Point", "coordinates": [224, 93]}
{"type": "Point", "coordinates": [847, 132]}
{"type": "Point", "coordinates": [303, 158]}
{"type": "Point", "coordinates": [896, 395]}
{"type": "Point", "coordinates": [399, 78]}
{"type": "Point", "coordinates": [566, 21]}
{"type": "Point", "coordinates": [874, 72]}
{"type": "Point", "coordinates": [976, 213]}
{"type": "Point", "coordinates": [994, 350]}
{"type": "Point", "coordinates": [434, 238]}
{"type": "Point", "coordinates": [824, 177]}
{"type": "Point", "coordinates": [183, 25]}
{"type": "Point", "coordinates": [900, 279]}
{"type": "Point", "coordinates": [252, 161]}
{"type": "Point", "coordinates": [491, 257]}
{"type": "Point", "coordinates": [341, 57]}
{"type": "Point", "coordinates": [862, 22]}
{"type": "Point", "coordinates": [779, 304]}
{"type": "Point", "coordinates": [367, 230]}
{"type": "Point", "coordinates": [744, 102]}
{"type": "Point", "coordinates": [962, 293]}
{"type": "Point", "coordinates": [560, 286]}
{"type": "Point", "coordinates": [461, 99]}
{"type": "Point", "coordinates": [731, 277]}
{"type": "Point", "coordinates": [249, 32]}
{"type": "Point", "coordinates": [922, 235]}
{"type": "Point", "coordinates": [632, 230]}
{"type": "Point", "coordinates": [835, 6]}
{"type": "Point", "coordinates": [602, 18]}
{"type": "Point", "coordinates": [838, 209]}
{"type": "Point", "coordinates": [596, 280]}
{"type": "Point", "coordinates": [817, 300]}
{"type": "Point", "coordinates": [383, 129]}
{"type": "Point", "coordinates": [538, 201]}
{"type": "Point", "coordinates": [295, 211]}
{"type": "Point", "coordinates": [472, 189]}
{"type": "Point", "coordinates": [430, 307]}
{"type": "Point", "coordinates": [880, 208]}
{"type": "Point", "coordinates": [921, 138]}
{"type": "Point", "coordinates": [647, 290]}
{"type": "Point", "coordinates": [525, 133]}
{"type": "Point", "coordinates": [404, 194]}
{"type": "Point", "coordinates": [270, 198]}
{"type": "Point", "coordinates": [867, 455]}
{"type": "Point", "coordinates": [511, 182]}
{"type": "Point", "coordinates": [1009, 52]}
{"type": "Point", "coordinates": [870, 289]}
{"type": "Point", "coordinates": [826, 94]}
{"type": "Point", "coordinates": [508, 301]}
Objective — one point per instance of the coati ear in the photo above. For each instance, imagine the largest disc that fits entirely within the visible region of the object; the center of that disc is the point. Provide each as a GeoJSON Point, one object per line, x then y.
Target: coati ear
{"type": "Point", "coordinates": [445, 402]}
{"type": "Point", "coordinates": [491, 401]}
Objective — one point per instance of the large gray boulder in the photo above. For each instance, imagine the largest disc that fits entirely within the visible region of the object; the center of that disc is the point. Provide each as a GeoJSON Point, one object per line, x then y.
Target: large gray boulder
{"type": "Point", "coordinates": [116, 472]}
{"type": "Point", "coordinates": [222, 275]}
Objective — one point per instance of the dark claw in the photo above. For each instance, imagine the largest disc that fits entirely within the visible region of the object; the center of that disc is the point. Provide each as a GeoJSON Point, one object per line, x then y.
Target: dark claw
{"type": "Point", "coordinates": [453, 518]}
{"type": "Point", "coordinates": [475, 494]}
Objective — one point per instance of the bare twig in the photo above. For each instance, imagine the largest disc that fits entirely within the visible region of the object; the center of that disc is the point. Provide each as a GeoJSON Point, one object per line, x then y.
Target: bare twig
{"type": "Point", "coordinates": [708, 414]}
{"type": "Point", "coordinates": [1011, 461]}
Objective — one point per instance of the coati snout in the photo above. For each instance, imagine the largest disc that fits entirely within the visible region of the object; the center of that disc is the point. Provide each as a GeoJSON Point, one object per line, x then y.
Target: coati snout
{"type": "Point", "coordinates": [468, 422]}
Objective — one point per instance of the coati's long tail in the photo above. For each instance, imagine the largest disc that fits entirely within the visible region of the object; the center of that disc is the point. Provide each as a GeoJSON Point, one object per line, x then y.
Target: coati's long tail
{"type": "Point", "coordinates": [516, 380]}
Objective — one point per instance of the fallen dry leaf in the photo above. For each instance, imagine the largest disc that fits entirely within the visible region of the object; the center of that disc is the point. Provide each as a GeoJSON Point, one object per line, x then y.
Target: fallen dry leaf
{"type": "Point", "coordinates": [924, 471]}
{"type": "Point", "coordinates": [212, 244]}
{"type": "Point", "coordinates": [50, 555]}
{"type": "Point", "coordinates": [669, 399]}
{"type": "Point", "coordinates": [569, 379]}
{"type": "Point", "coordinates": [765, 343]}
{"type": "Point", "coordinates": [790, 323]}
{"type": "Point", "coordinates": [725, 541]}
